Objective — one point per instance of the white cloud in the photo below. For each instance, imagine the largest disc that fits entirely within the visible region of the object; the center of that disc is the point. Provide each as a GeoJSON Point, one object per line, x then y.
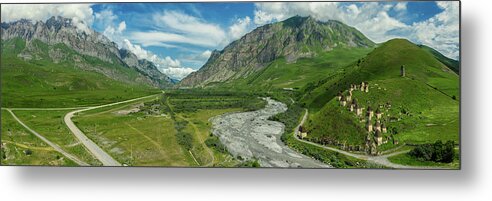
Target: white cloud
{"type": "Point", "coordinates": [81, 14]}
{"type": "Point", "coordinates": [239, 28]}
{"type": "Point", "coordinates": [206, 54]}
{"type": "Point", "coordinates": [180, 28]}
{"type": "Point", "coordinates": [401, 6]}
{"type": "Point", "coordinates": [176, 28]}
{"type": "Point", "coordinates": [121, 26]}
{"type": "Point", "coordinates": [178, 73]}
{"type": "Point", "coordinates": [441, 31]}
{"type": "Point", "coordinates": [156, 38]}
{"type": "Point", "coordinates": [372, 19]}
{"type": "Point", "coordinates": [167, 65]}
{"type": "Point", "coordinates": [198, 58]}
{"type": "Point", "coordinates": [112, 29]}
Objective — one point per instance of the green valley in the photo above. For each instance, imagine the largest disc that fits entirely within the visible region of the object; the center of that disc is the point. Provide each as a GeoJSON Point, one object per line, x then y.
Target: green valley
{"type": "Point", "coordinates": [297, 93]}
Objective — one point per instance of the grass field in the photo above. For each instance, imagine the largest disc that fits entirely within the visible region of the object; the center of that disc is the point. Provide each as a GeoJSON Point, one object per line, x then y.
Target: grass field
{"type": "Point", "coordinates": [162, 132]}
{"type": "Point", "coordinates": [134, 139]}
{"type": "Point", "coordinates": [16, 141]}
{"type": "Point", "coordinates": [50, 124]}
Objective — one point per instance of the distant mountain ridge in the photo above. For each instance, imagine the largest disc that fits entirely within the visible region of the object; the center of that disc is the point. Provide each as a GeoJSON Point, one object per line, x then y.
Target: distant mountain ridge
{"type": "Point", "coordinates": [60, 30]}
{"type": "Point", "coordinates": [294, 38]}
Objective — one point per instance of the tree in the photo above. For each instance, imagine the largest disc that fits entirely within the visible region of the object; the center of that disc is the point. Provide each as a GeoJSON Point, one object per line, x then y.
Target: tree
{"type": "Point", "coordinates": [437, 152]}
{"type": "Point", "coordinates": [28, 152]}
{"type": "Point", "coordinates": [449, 152]}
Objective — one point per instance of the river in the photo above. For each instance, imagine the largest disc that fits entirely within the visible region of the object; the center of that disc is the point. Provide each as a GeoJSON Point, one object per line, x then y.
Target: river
{"type": "Point", "coordinates": [251, 135]}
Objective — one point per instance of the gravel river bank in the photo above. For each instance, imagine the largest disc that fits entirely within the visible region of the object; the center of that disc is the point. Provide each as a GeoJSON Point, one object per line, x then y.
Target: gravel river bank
{"type": "Point", "coordinates": [252, 135]}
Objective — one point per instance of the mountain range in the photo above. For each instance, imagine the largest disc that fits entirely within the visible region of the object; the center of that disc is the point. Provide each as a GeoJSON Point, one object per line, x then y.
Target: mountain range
{"type": "Point", "coordinates": [59, 30]}
{"type": "Point", "coordinates": [294, 53]}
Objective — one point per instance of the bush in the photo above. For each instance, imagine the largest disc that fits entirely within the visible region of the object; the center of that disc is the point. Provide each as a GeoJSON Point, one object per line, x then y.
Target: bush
{"type": "Point", "coordinates": [214, 142]}
{"type": "Point", "coordinates": [250, 163]}
{"type": "Point", "coordinates": [185, 139]}
{"type": "Point", "coordinates": [437, 152]}
{"type": "Point", "coordinates": [28, 152]}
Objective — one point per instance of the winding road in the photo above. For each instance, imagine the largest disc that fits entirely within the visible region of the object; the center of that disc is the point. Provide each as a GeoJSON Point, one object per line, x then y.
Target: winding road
{"type": "Point", "coordinates": [51, 144]}
{"type": "Point", "coordinates": [381, 159]}
{"type": "Point", "coordinates": [95, 150]}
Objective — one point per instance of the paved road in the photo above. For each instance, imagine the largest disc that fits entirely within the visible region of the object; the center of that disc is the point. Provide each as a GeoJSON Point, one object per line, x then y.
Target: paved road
{"type": "Point", "coordinates": [97, 151]}
{"type": "Point", "coordinates": [55, 146]}
{"type": "Point", "coordinates": [381, 160]}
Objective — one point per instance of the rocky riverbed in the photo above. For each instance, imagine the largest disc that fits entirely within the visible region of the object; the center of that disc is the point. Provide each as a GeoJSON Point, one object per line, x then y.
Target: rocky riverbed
{"type": "Point", "coordinates": [252, 135]}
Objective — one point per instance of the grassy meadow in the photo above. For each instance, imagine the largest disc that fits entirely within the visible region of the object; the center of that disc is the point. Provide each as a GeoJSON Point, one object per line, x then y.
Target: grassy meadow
{"type": "Point", "coordinates": [171, 130]}
{"type": "Point", "coordinates": [41, 82]}
{"type": "Point", "coordinates": [50, 124]}
{"type": "Point", "coordinates": [20, 147]}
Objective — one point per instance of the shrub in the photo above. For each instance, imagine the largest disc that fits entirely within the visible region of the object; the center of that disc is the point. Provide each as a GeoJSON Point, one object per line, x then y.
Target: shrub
{"type": "Point", "coordinates": [185, 139]}
{"type": "Point", "coordinates": [214, 142]}
{"type": "Point", "coordinates": [437, 152]}
{"type": "Point", "coordinates": [28, 152]}
{"type": "Point", "coordinates": [250, 163]}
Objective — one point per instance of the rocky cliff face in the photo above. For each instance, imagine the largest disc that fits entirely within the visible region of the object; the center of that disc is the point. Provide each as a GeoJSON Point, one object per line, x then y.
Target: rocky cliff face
{"type": "Point", "coordinates": [294, 38]}
{"type": "Point", "coordinates": [146, 68]}
{"type": "Point", "coordinates": [59, 30]}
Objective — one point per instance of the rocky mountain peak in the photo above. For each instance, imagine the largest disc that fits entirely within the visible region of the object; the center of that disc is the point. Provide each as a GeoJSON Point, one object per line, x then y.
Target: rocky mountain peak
{"type": "Point", "coordinates": [292, 39]}
{"type": "Point", "coordinates": [58, 22]}
{"type": "Point", "coordinates": [62, 30]}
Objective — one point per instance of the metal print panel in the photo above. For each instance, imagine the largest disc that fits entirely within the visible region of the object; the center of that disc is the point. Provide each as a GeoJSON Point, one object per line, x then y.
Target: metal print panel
{"type": "Point", "coordinates": [232, 84]}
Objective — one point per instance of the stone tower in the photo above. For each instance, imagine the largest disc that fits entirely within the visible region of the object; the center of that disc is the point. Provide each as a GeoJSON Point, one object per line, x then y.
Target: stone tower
{"type": "Point", "coordinates": [402, 70]}
{"type": "Point", "coordinates": [379, 137]}
{"type": "Point", "coordinates": [377, 126]}
{"type": "Point", "coordinates": [369, 126]}
{"type": "Point", "coordinates": [343, 101]}
{"type": "Point", "coordinates": [370, 113]}
{"type": "Point", "coordinates": [378, 114]}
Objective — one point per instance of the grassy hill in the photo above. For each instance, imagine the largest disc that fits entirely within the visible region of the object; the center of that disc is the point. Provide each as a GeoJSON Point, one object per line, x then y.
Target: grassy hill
{"type": "Point", "coordinates": [421, 107]}
{"type": "Point", "coordinates": [47, 82]}
{"type": "Point", "coordinates": [384, 63]}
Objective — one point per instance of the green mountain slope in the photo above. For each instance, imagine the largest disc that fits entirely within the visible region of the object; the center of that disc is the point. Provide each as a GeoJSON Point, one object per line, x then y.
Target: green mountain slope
{"type": "Point", "coordinates": [450, 63]}
{"type": "Point", "coordinates": [421, 107]}
{"type": "Point", "coordinates": [280, 74]}
{"type": "Point", "coordinates": [69, 80]}
{"type": "Point", "coordinates": [385, 63]}
{"type": "Point", "coordinates": [291, 40]}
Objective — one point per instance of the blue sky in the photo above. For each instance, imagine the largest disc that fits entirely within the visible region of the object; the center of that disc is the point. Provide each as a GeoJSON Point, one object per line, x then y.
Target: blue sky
{"type": "Point", "coordinates": [179, 37]}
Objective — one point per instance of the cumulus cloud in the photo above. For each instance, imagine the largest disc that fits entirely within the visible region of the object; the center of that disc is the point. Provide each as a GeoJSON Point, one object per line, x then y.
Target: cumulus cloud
{"type": "Point", "coordinates": [81, 14]}
{"type": "Point", "coordinates": [372, 19]}
{"type": "Point", "coordinates": [167, 65]}
{"type": "Point", "coordinates": [206, 54]}
{"type": "Point", "coordinates": [401, 6]}
{"type": "Point", "coordinates": [441, 31]}
{"type": "Point", "coordinates": [239, 28]}
{"type": "Point", "coordinates": [178, 73]}
{"type": "Point", "coordinates": [113, 28]}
